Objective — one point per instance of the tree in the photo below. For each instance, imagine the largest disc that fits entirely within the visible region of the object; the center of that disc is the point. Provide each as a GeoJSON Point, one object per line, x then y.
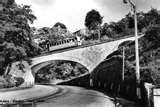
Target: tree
{"type": "Point", "coordinates": [15, 32]}
{"type": "Point", "coordinates": [153, 36]}
{"type": "Point", "coordinates": [151, 17]}
{"type": "Point", "coordinates": [141, 21]}
{"type": "Point", "coordinates": [93, 20]}
{"type": "Point", "coordinates": [104, 29]}
{"type": "Point", "coordinates": [61, 25]}
{"type": "Point", "coordinates": [44, 32]}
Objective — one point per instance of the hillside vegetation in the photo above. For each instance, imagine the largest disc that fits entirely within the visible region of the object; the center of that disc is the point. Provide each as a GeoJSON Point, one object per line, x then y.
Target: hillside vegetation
{"type": "Point", "coordinates": [149, 54]}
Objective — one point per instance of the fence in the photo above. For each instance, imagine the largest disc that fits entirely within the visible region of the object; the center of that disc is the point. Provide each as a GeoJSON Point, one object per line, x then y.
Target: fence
{"type": "Point", "coordinates": [155, 96]}
{"type": "Point", "coordinates": [151, 95]}
{"type": "Point", "coordinates": [123, 89]}
{"type": "Point", "coordinates": [17, 104]}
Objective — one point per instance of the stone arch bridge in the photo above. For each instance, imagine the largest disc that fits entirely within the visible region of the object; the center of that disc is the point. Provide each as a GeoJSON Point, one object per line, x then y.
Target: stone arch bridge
{"type": "Point", "coordinates": [89, 55]}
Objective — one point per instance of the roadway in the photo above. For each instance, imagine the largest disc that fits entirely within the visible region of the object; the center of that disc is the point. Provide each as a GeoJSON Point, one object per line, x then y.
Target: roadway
{"type": "Point", "coordinates": [70, 96]}
{"type": "Point", "coordinates": [60, 96]}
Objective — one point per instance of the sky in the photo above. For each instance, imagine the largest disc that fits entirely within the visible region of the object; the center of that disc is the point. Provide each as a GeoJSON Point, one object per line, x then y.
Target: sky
{"type": "Point", "coordinates": [72, 13]}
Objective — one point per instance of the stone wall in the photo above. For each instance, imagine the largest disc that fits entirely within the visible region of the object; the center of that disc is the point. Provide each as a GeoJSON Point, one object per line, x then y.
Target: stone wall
{"type": "Point", "coordinates": [21, 69]}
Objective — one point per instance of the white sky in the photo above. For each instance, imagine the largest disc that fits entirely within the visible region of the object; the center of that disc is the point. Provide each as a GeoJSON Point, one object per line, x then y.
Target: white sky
{"type": "Point", "coordinates": [72, 12]}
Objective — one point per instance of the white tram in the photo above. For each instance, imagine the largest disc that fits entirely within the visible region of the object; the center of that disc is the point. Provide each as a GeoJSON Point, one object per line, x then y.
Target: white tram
{"type": "Point", "coordinates": [71, 42]}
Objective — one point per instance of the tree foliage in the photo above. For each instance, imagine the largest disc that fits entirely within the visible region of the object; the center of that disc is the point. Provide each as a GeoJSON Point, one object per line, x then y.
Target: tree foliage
{"type": "Point", "coordinates": [125, 26]}
{"type": "Point", "coordinates": [153, 36]}
{"type": "Point", "coordinates": [53, 34]}
{"type": "Point", "coordinates": [61, 25]}
{"type": "Point", "coordinates": [149, 50]}
{"type": "Point", "coordinates": [106, 31]}
{"type": "Point", "coordinates": [93, 20]}
{"type": "Point", "coordinates": [15, 32]}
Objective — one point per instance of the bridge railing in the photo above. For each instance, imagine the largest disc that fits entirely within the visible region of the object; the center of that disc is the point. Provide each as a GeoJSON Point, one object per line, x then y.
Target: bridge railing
{"type": "Point", "coordinates": [73, 42]}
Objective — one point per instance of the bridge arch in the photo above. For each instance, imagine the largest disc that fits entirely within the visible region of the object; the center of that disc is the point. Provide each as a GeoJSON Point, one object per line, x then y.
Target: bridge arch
{"type": "Point", "coordinates": [58, 69]}
{"type": "Point", "coordinates": [44, 61]}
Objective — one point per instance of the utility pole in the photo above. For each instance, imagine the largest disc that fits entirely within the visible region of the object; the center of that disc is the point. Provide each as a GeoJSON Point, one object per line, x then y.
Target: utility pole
{"type": "Point", "coordinates": [133, 7]}
{"type": "Point", "coordinates": [137, 55]}
{"type": "Point", "coordinates": [123, 63]}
